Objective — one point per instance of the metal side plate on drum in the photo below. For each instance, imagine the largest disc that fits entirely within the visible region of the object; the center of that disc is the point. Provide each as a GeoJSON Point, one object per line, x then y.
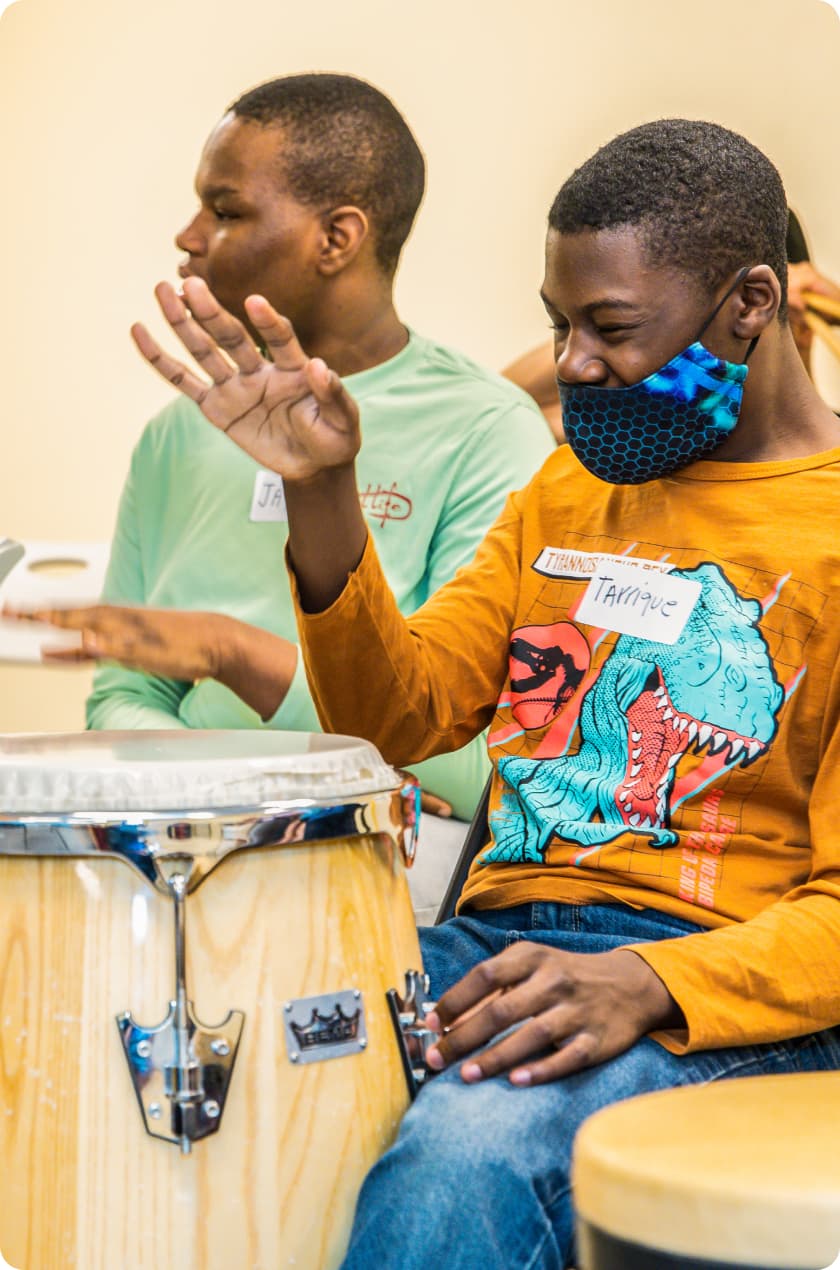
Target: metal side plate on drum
{"type": "Point", "coordinates": [326, 1026]}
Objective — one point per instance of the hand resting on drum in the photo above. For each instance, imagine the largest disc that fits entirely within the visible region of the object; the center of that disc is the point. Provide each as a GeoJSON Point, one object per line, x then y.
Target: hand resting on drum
{"type": "Point", "coordinates": [255, 664]}
{"type": "Point", "coordinates": [583, 1008]}
{"type": "Point", "coordinates": [288, 411]}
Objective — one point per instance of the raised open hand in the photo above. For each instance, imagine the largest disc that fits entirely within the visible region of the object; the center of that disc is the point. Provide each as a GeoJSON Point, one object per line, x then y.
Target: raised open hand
{"type": "Point", "coordinates": [288, 411]}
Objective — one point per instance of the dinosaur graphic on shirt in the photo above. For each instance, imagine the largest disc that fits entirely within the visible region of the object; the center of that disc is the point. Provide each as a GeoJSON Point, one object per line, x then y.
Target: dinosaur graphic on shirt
{"type": "Point", "coordinates": [714, 691]}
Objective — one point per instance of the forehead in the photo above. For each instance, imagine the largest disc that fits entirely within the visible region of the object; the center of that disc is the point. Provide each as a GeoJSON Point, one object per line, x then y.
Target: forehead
{"type": "Point", "coordinates": [588, 268]}
{"type": "Point", "coordinates": [241, 154]}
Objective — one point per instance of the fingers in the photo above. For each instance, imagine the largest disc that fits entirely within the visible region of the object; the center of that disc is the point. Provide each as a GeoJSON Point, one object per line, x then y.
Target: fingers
{"type": "Point", "coordinates": [435, 806]}
{"type": "Point", "coordinates": [213, 338]}
{"type": "Point", "coordinates": [328, 388]}
{"type": "Point", "coordinates": [75, 656]}
{"type": "Point", "coordinates": [204, 328]}
{"type": "Point", "coordinates": [502, 972]}
{"type": "Point", "coordinates": [559, 1050]}
{"type": "Point", "coordinates": [277, 334]}
{"type": "Point", "coordinates": [66, 619]}
{"type": "Point", "coordinates": [169, 368]}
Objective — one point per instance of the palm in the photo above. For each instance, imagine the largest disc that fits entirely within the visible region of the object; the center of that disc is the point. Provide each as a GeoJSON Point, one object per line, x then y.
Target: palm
{"type": "Point", "coordinates": [290, 414]}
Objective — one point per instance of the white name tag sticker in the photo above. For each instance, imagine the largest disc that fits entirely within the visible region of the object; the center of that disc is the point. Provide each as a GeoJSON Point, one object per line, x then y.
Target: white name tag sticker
{"type": "Point", "coordinates": [649, 605]}
{"type": "Point", "coordinates": [562, 562]}
{"type": "Point", "coordinates": [269, 497]}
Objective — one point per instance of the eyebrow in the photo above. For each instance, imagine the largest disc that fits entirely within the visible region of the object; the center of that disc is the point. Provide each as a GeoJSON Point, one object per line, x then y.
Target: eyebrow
{"type": "Point", "coordinates": [606, 302]}
{"type": "Point", "coordinates": [216, 191]}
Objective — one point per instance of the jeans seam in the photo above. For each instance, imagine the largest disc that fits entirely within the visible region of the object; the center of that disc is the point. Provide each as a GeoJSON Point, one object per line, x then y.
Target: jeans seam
{"type": "Point", "coordinates": [731, 1071]}
{"type": "Point", "coordinates": [536, 1257]}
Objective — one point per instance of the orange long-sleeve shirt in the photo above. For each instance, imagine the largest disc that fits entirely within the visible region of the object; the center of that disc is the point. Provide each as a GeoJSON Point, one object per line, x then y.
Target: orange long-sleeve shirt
{"type": "Point", "coordinates": [694, 770]}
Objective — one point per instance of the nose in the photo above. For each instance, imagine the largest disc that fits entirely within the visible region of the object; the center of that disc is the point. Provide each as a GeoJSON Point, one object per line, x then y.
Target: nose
{"type": "Point", "coordinates": [191, 238]}
{"type": "Point", "coordinates": [576, 361]}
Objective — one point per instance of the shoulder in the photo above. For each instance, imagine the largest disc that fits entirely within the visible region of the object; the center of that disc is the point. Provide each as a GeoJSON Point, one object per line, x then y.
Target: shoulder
{"type": "Point", "coordinates": [448, 366]}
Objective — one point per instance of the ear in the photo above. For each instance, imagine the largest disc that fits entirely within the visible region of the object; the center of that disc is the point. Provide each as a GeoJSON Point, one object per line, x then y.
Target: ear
{"type": "Point", "coordinates": [757, 298]}
{"type": "Point", "coordinates": [344, 230]}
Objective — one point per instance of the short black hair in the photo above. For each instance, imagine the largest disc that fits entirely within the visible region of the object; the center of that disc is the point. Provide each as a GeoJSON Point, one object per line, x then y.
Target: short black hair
{"type": "Point", "coordinates": [347, 143]}
{"type": "Point", "coordinates": [707, 201]}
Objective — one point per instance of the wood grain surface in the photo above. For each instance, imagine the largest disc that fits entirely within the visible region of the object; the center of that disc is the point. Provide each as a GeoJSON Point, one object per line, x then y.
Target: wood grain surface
{"type": "Point", "coordinates": [83, 1185]}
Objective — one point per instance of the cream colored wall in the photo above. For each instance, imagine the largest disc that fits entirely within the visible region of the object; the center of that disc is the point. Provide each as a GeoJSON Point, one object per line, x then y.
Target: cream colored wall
{"type": "Point", "coordinates": [105, 108]}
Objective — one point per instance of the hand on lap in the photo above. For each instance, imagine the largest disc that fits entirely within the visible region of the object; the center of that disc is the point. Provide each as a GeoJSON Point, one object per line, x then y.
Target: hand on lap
{"type": "Point", "coordinates": [581, 1008]}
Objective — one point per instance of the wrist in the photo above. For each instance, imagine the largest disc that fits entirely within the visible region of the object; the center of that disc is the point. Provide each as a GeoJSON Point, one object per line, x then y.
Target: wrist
{"type": "Point", "coordinates": [225, 646]}
{"type": "Point", "coordinates": [655, 1006]}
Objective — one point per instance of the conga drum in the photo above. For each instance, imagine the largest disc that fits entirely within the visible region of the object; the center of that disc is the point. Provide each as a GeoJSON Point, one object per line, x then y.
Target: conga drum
{"type": "Point", "coordinates": [198, 933]}
{"type": "Point", "coordinates": [736, 1175]}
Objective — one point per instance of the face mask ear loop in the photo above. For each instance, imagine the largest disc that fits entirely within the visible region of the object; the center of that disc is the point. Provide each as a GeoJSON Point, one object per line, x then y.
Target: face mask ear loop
{"type": "Point", "coordinates": [742, 273]}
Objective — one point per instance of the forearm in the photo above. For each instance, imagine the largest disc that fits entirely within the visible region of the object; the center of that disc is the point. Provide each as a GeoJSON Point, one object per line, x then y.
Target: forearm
{"type": "Point", "coordinates": [418, 686]}
{"type": "Point", "coordinates": [327, 535]}
{"type": "Point", "coordinates": [255, 664]}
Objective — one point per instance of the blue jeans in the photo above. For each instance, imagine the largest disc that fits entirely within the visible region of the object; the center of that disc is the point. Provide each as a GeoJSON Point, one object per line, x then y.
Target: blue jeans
{"type": "Point", "coordinates": [478, 1178]}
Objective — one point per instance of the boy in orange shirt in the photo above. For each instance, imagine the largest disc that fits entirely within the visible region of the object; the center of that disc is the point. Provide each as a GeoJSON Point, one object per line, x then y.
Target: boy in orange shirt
{"type": "Point", "coordinates": [652, 632]}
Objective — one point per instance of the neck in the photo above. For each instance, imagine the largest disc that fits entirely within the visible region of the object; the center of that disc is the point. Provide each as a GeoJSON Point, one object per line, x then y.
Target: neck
{"type": "Point", "coordinates": [782, 415]}
{"type": "Point", "coordinates": [357, 326]}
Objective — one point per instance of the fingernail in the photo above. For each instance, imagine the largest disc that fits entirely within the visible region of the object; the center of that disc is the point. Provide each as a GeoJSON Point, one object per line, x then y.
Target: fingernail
{"type": "Point", "coordinates": [432, 1021]}
{"type": "Point", "coordinates": [521, 1076]}
{"type": "Point", "coordinates": [471, 1072]}
{"type": "Point", "coordinates": [435, 1059]}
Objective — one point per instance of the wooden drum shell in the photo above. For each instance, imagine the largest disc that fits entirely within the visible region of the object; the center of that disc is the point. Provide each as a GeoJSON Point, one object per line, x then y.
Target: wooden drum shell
{"type": "Point", "coordinates": [81, 941]}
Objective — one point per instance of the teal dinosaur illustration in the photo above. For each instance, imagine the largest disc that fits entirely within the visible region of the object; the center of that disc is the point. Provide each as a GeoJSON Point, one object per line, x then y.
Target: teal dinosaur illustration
{"type": "Point", "coordinates": [714, 690]}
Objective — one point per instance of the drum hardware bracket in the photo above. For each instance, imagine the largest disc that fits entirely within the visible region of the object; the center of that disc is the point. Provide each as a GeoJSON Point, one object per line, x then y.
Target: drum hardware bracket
{"type": "Point", "coordinates": [179, 1062]}
{"type": "Point", "coordinates": [326, 1026]}
{"type": "Point", "coordinates": [408, 1015]}
{"type": "Point", "coordinates": [411, 797]}
{"type": "Point", "coordinates": [195, 1088]}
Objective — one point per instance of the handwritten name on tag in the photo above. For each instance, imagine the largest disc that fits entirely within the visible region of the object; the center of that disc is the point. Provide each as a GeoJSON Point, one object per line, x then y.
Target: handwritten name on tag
{"type": "Point", "coordinates": [563, 562]}
{"type": "Point", "coordinates": [269, 498]}
{"type": "Point", "coordinates": [649, 605]}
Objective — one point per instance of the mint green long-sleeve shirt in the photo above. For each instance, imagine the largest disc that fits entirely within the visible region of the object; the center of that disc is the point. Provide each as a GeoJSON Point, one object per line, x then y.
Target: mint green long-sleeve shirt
{"type": "Point", "coordinates": [201, 526]}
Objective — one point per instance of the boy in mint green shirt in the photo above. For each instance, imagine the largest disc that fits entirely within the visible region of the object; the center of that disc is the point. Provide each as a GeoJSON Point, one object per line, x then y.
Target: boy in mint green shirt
{"type": "Point", "coordinates": [307, 189]}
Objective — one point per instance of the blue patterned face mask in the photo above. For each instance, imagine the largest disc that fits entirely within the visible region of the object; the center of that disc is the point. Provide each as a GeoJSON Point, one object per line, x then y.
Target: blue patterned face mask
{"type": "Point", "coordinates": [671, 418]}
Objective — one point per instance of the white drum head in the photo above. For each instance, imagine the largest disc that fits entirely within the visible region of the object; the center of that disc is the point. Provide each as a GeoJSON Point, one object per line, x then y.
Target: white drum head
{"type": "Point", "coordinates": [42, 773]}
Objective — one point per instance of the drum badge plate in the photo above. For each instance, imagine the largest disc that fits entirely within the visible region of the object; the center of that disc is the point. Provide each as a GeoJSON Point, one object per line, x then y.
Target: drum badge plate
{"type": "Point", "coordinates": [327, 1026]}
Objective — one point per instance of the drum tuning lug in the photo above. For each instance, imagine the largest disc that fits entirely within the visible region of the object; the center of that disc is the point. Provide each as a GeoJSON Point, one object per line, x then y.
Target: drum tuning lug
{"type": "Point", "coordinates": [408, 1015]}
{"type": "Point", "coordinates": [186, 1068]}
